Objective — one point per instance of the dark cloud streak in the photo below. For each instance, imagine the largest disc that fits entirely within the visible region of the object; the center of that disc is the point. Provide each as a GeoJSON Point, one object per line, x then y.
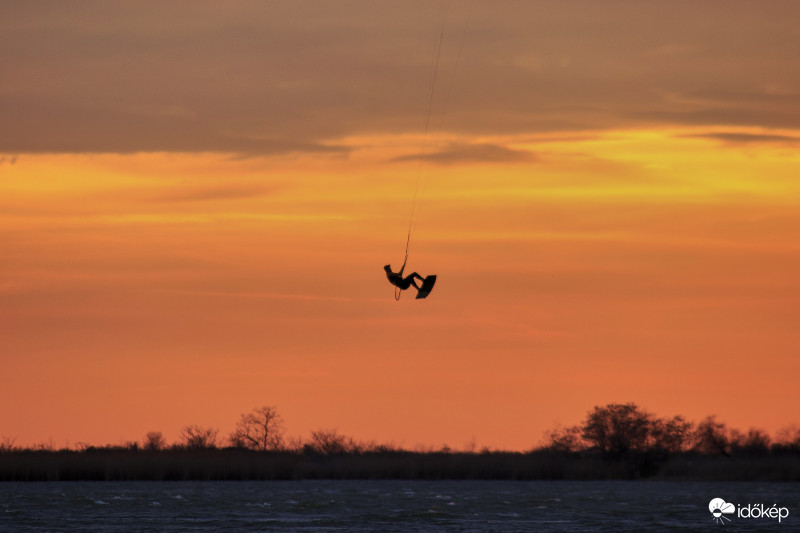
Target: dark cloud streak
{"type": "Point", "coordinates": [472, 153]}
{"type": "Point", "coordinates": [745, 138]}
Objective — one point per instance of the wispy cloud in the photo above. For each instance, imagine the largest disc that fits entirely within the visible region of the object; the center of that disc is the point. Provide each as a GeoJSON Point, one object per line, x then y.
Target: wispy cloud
{"type": "Point", "coordinates": [745, 138]}
{"type": "Point", "coordinates": [472, 153]}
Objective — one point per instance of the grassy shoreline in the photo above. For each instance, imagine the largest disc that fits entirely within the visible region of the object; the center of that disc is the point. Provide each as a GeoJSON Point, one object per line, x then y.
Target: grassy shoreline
{"type": "Point", "coordinates": [114, 464]}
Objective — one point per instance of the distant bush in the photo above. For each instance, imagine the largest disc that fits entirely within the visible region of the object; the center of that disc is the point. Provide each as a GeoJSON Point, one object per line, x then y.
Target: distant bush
{"type": "Point", "coordinates": [154, 441]}
{"type": "Point", "coordinates": [564, 439]}
{"type": "Point", "coordinates": [711, 437]}
{"type": "Point", "coordinates": [330, 442]}
{"type": "Point", "coordinates": [787, 440]}
{"type": "Point", "coordinates": [197, 438]}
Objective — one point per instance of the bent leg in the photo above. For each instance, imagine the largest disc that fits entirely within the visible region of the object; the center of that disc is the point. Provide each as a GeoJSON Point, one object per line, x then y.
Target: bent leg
{"type": "Point", "coordinates": [409, 280]}
{"type": "Point", "coordinates": [415, 275]}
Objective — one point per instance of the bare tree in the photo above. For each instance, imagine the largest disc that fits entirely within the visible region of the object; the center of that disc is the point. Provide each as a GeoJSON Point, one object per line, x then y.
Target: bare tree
{"type": "Point", "coordinates": [198, 437]}
{"type": "Point", "coordinates": [261, 429]}
{"type": "Point", "coordinates": [295, 444]}
{"type": "Point", "coordinates": [617, 428]}
{"type": "Point", "coordinates": [7, 444]}
{"type": "Point", "coordinates": [154, 441]}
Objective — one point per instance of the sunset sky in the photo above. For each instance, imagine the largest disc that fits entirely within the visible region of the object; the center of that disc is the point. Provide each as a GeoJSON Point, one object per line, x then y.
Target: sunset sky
{"type": "Point", "coordinates": [197, 199]}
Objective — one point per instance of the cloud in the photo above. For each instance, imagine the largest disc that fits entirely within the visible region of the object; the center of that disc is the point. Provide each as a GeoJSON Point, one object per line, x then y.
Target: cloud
{"type": "Point", "coordinates": [298, 77]}
{"type": "Point", "coordinates": [472, 153]}
{"type": "Point", "coordinates": [46, 127]}
{"type": "Point", "coordinates": [720, 114]}
{"type": "Point", "coordinates": [745, 138]}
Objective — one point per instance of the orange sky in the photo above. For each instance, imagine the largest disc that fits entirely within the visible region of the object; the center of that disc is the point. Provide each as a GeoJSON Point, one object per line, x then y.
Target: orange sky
{"type": "Point", "coordinates": [196, 205]}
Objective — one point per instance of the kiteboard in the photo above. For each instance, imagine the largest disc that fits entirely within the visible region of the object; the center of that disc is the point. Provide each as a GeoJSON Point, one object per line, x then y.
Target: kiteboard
{"type": "Point", "coordinates": [427, 287]}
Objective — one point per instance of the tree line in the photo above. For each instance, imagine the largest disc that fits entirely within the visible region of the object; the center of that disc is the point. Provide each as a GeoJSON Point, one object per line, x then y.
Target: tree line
{"type": "Point", "coordinates": [261, 430]}
{"type": "Point", "coordinates": [615, 441]}
{"type": "Point", "coordinates": [613, 430]}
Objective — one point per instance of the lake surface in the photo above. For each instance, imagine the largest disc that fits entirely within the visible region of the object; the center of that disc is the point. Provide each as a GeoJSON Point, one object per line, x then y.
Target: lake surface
{"type": "Point", "coordinates": [505, 506]}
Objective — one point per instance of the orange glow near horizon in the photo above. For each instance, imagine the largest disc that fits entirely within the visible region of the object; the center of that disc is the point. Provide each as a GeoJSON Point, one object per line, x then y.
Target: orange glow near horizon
{"type": "Point", "coordinates": [150, 291]}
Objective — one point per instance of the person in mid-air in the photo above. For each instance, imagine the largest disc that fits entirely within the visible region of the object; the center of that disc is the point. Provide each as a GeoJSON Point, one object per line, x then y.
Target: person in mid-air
{"type": "Point", "coordinates": [403, 283]}
{"type": "Point", "coordinates": [397, 279]}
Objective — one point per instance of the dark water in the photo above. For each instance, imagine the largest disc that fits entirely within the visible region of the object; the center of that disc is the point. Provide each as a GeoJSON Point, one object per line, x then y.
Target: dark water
{"type": "Point", "coordinates": [505, 506]}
